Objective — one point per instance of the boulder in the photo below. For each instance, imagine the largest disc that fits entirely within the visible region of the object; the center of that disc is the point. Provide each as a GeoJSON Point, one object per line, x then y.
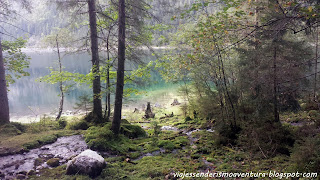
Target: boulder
{"type": "Point", "coordinates": [88, 162]}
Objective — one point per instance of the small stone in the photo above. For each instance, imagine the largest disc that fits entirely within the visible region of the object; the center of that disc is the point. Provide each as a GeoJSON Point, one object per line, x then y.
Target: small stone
{"type": "Point", "coordinates": [53, 162]}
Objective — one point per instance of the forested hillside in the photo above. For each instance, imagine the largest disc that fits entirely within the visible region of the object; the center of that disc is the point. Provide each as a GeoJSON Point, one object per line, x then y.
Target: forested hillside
{"type": "Point", "coordinates": [185, 89]}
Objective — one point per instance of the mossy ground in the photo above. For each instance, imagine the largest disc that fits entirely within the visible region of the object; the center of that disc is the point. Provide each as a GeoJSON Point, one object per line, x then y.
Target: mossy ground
{"type": "Point", "coordinates": [159, 154]}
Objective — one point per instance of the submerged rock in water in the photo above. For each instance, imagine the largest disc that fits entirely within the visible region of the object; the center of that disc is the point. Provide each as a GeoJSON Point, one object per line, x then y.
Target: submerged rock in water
{"type": "Point", "coordinates": [88, 162]}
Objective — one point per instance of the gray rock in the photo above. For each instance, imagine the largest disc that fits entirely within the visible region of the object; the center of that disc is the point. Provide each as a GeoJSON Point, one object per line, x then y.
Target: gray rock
{"type": "Point", "coordinates": [88, 162]}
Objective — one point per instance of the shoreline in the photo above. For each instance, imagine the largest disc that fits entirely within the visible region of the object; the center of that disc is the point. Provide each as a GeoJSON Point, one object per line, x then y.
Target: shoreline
{"type": "Point", "coordinates": [50, 49]}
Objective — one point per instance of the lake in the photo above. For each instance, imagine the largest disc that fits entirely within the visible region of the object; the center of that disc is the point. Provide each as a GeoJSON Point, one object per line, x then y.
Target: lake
{"type": "Point", "coordinates": [28, 99]}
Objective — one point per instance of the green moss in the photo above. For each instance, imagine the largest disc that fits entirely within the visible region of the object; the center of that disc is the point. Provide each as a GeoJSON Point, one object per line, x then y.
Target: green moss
{"type": "Point", "coordinates": [48, 139]}
{"type": "Point", "coordinates": [102, 138]}
{"type": "Point", "coordinates": [31, 145]}
{"type": "Point", "coordinates": [53, 162]}
{"type": "Point", "coordinates": [9, 130]}
{"type": "Point", "coordinates": [156, 167]}
{"type": "Point", "coordinates": [62, 123]}
{"type": "Point", "coordinates": [167, 144]}
{"type": "Point", "coordinates": [132, 131]}
{"type": "Point", "coordinates": [19, 126]}
{"type": "Point", "coordinates": [78, 125]}
{"type": "Point", "coordinates": [181, 141]}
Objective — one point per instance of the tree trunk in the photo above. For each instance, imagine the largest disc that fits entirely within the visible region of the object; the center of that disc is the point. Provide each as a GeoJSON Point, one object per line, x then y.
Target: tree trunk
{"type": "Point", "coordinates": [107, 111]}
{"type": "Point", "coordinates": [316, 68]}
{"type": "Point", "coordinates": [275, 97]}
{"type": "Point", "coordinates": [97, 107]}
{"type": "Point", "coordinates": [120, 72]}
{"type": "Point", "coordinates": [4, 103]}
{"type": "Point", "coordinates": [60, 83]}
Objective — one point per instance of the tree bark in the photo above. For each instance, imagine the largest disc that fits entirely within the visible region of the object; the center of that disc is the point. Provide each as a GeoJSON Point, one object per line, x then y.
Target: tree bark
{"type": "Point", "coordinates": [316, 68]}
{"type": "Point", "coordinates": [108, 86]}
{"type": "Point", "coordinates": [97, 106]}
{"type": "Point", "coordinates": [60, 83]}
{"type": "Point", "coordinates": [120, 72]}
{"type": "Point", "coordinates": [275, 96]}
{"type": "Point", "coordinates": [4, 103]}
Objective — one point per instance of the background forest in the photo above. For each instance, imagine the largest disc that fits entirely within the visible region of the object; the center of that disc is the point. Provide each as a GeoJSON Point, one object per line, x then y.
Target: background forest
{"type": "Point", "coordinates": [243, 77]}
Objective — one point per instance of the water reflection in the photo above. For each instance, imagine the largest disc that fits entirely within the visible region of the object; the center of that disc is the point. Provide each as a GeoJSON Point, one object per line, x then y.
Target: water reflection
{"type": "Point", "coordinates": [28, 97]}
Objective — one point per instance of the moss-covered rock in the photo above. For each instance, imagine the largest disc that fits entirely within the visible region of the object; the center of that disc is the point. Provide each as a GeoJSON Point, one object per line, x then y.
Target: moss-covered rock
{"type": "Point", "coordinates": [48, 139]}
{"type": "Point", "coordinates": [31, 145]}
{"type": "Point", "coordinates": [78, 125]}
{"type": "Point", "coordinates": [53, 162]}
{"type": "Point", "coordinates": [132, 131]}
{"type": "Point", "coordinates": [9, 130]}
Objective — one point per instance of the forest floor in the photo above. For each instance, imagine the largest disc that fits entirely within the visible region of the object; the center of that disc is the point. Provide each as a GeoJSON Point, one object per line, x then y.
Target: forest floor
{"type": "Point", "coordinates": [173, 145]}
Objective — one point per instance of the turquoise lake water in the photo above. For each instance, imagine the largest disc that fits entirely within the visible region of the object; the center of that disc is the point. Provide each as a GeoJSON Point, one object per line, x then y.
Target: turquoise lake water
{"type": "Point", "coordinates": [30, 98]}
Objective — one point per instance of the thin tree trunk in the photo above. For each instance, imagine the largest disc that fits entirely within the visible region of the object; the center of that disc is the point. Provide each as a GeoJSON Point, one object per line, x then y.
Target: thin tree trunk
{"type": "Point", "coordinates": [107, 111]}
{"type": "Point", "coordinates": [60, 83]}
{"type": "Point", "coordinates": [120, 72]}
{"type": "Point", "coordinates": [97, 106]}
{"type": "Point", "coordinates": [316, 69]}
{"type": "Point", "coordinates": [4, 102]}
{"type": "Point", "coordinates": [275, 97]}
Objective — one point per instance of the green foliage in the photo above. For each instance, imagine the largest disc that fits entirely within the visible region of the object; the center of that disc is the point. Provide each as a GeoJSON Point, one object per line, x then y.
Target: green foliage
{"type": "Point", "coordinates": [15, 60]}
